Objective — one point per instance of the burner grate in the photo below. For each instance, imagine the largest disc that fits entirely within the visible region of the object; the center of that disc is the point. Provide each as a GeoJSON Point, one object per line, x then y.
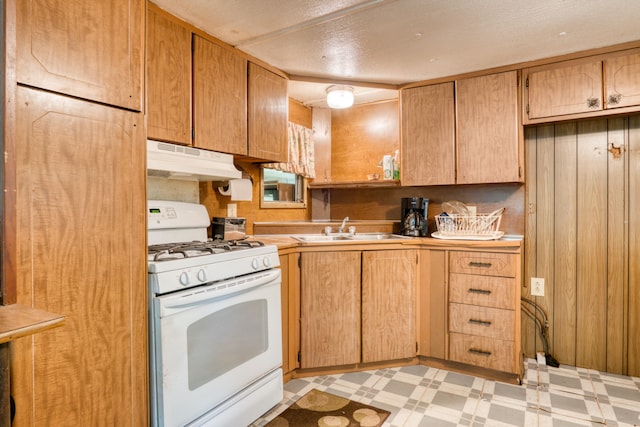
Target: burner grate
{"type": "Point", "coordinates": [171, 251]}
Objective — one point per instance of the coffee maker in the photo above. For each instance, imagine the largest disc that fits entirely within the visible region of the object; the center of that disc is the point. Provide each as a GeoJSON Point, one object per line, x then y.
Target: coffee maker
{"type": "Point", "coordinates": [414, 217]}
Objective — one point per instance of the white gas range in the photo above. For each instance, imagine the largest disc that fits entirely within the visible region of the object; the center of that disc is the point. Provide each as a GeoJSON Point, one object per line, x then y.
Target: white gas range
{"type": "Point", "coordinates": [215, 325]}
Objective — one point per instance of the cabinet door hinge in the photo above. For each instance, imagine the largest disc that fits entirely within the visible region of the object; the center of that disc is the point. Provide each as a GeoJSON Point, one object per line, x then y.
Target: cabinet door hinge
{"type": "Point", "coordinates": [193, 134]}
{"type": "Point", "coordinates": [299, 261]}
{"type": "Point", "coordinates": [526, 83]}
{"type": "Point", "coordinates": [519, 171]}
{"type": "Point", "coordinates": [416, 347]}
{"type": "Point", "coordinates": [299, 357]}
{"type": "Point", "coordinates": [527, 109]}
{"type": "Point", "coordinates": [417, 259]}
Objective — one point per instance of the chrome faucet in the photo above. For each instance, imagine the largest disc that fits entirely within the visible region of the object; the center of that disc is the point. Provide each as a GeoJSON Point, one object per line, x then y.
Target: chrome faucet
{"type": "Point", "coordinates": [344, 222]}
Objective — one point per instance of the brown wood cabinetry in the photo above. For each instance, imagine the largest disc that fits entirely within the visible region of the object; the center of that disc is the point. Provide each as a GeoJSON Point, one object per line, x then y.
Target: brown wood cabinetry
{"type": "Point", "coordinates": [80, 252]}
{"type": "Point", "coordinates": [592, 86]}
{"type": "Point", "coordinates": [357, 306]}
{"type": "Point", "coordinates": [330, 309]}
{"type": "Point", "coordinates": [484, 310]}
{"type": "Point", "coordinates": [92, 49]}
{"type": "Point", "coordinates": [467, 139]}
{"type": "Point", "coordinates": [290, 311]}
{"type": "Point", "coordinates": [488, 146]}
{"type": "Point", "coordinates": [268, 108]}
{"type": "Point", "coordinates": [219, 98]}
{"type": "Point", "coordinates": [168, 79]}
{"type": "Point", "coordinates": [389, 304]}
{"type": "Point", "coordinates": [428, 135]}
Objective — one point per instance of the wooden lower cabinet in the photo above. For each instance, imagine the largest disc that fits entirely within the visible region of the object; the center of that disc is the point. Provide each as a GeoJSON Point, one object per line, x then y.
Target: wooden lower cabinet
{"type": "Point", "coordinates": [330, 309]}
{"type": "Point", "coordinates": [484, 310]}
{"type": "Point", "coordinates": [357, 306]}
{"type": "Point", "coordinates": [389, 304]}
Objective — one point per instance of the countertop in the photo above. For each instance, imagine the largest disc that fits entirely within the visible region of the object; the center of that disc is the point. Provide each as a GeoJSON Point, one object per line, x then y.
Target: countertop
{"type": "Point", "coordinates": [18, 320]}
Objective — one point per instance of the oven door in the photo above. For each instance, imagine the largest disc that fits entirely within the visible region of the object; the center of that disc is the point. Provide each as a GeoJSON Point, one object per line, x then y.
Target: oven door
{"type": "Point", "coordinates": [210, 342]}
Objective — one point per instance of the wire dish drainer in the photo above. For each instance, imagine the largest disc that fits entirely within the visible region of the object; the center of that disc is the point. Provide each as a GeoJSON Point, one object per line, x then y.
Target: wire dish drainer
{"type": "Point", "coordinates": [469, 225]}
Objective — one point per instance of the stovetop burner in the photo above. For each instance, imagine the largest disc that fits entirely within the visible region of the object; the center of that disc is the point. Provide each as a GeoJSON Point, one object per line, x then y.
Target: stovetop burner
{"type": "Point", "coordinates": [181, 250]}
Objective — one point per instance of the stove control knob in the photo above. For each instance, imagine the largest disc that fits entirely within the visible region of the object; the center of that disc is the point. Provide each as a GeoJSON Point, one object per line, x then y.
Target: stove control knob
{"type": "Point", "coordinates": [255, 264]}
{"type": "Point", "coordinates": [267, 262]}
{"type": "Point", "coordinates": [202, 275]}
{"type": "Point", "coordinates": [184, 278]}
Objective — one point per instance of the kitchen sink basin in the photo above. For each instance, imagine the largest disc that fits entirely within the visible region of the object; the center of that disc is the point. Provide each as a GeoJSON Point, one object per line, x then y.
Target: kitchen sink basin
{"type": "Point", "coordinates": [321, 237]}
{"type": "Point", "coordinates": [315, 238]}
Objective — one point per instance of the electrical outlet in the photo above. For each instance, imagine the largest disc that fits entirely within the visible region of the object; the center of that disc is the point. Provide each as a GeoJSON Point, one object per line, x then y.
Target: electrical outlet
{"type": "Point", "coordinates": [471, 210]}
{"type": "Point", "coordinates": [232, 210]}
{"type": "Point", "coordinates": [537, 287]}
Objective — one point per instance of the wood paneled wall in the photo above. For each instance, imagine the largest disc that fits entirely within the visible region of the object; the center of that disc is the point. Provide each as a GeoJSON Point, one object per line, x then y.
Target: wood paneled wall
{"type": "Point", "coordinates": [384, 203]}
{"type": "Point", "coordinates": [583, 186]}
{"type": "Point", "coordinates": [360, 136]}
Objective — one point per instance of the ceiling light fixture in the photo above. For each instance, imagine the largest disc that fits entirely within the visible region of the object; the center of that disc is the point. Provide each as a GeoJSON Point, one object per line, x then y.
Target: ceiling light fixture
{"type": "Point", "coordinates": [339, 96]}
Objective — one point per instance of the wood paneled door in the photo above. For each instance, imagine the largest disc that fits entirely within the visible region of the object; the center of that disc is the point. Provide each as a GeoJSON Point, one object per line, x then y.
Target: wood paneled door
{"type": "Point", "coordinates": [582, 237]}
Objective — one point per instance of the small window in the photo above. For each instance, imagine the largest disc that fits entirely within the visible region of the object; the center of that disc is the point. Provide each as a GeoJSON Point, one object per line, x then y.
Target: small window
{"type": "Point", "coordinates": [282, 189]}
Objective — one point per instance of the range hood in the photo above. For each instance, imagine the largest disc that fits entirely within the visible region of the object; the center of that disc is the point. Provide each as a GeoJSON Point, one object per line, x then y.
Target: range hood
{"type": "Point", "coordinates": [188, 163]}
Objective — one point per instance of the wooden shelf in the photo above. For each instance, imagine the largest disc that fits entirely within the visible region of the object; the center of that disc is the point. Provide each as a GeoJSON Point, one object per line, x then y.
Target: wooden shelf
{"type": "Point", "coordinates": [19, 321]}
{"type": "Point", "coordinates": [381, 183]}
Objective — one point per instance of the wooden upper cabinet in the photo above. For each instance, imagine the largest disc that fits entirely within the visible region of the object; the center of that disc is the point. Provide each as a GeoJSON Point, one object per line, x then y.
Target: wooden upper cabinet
{"type": "Point", "coordinates": [487, 137]}
{"type": "Point", "coordinates": [589, 87]}
{"type": "Point", "coordinates": [622, 79]}
{"type": "Point", "coordinates": [428, 135]}
{"type": "Point", "coordinates": [91, 49]}
{"type": "Point", "coordinates": [219, 98]}
{"type": "Point", "coordinates": [574, 87]}
{"type": "Point", "coordinates": [168, 79]}
{"type": "Point", "coordinates": [268, 109]}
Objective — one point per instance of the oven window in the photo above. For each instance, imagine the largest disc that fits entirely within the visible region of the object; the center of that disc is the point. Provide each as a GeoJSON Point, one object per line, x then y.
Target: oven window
{"type": "Point", "coordinates": [225, 340]}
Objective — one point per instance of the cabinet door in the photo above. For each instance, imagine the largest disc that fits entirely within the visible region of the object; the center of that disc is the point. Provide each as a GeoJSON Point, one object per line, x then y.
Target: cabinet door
{"type": "Point", "coordinates": [168, 79]}
{"type": "Point", "coordinates": [487, 137]}
{"type": "Point", "coordinates": [389, 304]}
{"type": "Point", "coordinates": [81, 252]}
{"type": "Point", "coordinates": [90, 49]}
{"type": "Point", "coordinates": [268, 109]}
{"type": "Point", "coordinates": [330, 309]}
{"type": "Point", "coordinates": [219, 98]}
{"type": "Point", "coordinates": [622, 80]}
{"type": "Point", "coordinates": [574, 87]}
{"type": "Point", "coordinates": [428, 135]}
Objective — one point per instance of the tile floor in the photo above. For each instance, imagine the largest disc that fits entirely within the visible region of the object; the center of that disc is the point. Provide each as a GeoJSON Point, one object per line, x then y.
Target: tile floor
{"type": "Point", "coordinates": [423, 396]}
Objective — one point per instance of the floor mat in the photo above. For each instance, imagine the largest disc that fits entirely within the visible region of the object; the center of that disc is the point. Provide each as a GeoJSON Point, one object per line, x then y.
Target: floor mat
{"type": "Point", "coordinates": [318, 408]}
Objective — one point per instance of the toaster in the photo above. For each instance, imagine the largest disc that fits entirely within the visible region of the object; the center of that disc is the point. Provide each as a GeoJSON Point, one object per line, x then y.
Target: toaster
{"type": "Point", "coordinates": [225, 228]}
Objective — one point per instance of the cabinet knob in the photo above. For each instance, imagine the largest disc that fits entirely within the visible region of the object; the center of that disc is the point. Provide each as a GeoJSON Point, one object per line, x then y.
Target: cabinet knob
{"type": "Point", "coordinates": [593, 102]}
{"type": "Point", "coordinates": [614, 98]}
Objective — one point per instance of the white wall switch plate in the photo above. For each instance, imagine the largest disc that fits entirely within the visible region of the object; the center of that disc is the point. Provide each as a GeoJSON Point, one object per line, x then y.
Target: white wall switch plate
{"type": "Point", "coordinates": [537, 286]}
{"type": "Point", "coordinates": [232, 210]}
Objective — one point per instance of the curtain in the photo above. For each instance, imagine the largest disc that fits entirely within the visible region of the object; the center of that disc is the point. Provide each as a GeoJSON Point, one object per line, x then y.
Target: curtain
{"type": "Point", "coordinates": [301, 159]}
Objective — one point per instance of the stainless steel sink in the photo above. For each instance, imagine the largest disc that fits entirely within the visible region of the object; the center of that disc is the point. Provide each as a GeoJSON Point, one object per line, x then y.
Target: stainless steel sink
{"type": "Point", "coordinates": [314, 238]}
{"type": "Point", "coordinates": [377, 236]}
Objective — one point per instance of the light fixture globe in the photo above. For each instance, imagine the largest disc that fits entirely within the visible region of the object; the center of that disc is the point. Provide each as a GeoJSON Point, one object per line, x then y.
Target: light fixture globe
{"type": "Point", "coordinates": [339, 96]}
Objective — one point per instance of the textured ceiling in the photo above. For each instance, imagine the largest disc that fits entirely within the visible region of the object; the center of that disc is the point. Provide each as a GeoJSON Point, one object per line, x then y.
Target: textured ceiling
{"type": "Point", "coordinates": [402, 41]}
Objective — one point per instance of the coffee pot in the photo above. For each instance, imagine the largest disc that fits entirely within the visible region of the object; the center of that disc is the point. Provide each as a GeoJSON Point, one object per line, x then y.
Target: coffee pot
{"type": "Point", "coordinates": [414, 216]}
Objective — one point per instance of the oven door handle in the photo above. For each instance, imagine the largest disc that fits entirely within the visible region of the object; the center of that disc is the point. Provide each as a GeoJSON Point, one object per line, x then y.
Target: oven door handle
{"type": "Point", "coordinates": [185, 300]}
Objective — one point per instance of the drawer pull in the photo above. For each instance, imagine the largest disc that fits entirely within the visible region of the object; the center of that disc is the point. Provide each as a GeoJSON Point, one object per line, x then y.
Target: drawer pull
{"type": "Point", "coordinates": [479, 291]}
{"type": "Point", "coordinates": [480, 322]}
{"type": "Point", "coordinates": [480, 352]}
{"type": "Point", "coordinates": [479, 264]}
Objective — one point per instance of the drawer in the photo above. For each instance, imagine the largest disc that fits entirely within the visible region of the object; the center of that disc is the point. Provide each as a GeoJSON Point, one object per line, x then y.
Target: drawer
{"type": "Point", "coordinates": [487, 291]}
{"type": "Point", "coordinates": [482, 321]}
{"type": "Point", "coordinates": [483, 263]}
{"type": "Point", "coordinates": [482, 351]}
